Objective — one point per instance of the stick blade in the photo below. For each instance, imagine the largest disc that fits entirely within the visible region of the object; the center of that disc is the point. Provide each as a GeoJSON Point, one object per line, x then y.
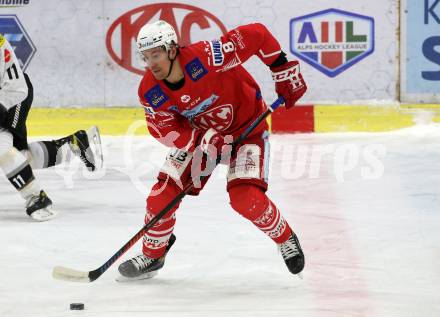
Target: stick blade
{"type": "Point", "coordinates": [70, 275]}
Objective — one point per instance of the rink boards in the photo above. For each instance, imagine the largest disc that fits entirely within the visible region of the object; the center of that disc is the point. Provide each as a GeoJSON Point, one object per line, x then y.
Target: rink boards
{"type": "Point", "coordinates": [300, 119]}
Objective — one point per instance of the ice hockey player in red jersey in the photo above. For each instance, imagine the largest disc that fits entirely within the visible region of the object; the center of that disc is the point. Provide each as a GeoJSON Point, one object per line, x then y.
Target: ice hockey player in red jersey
{"type": "Point", "coordinates": [17, 157]}
{"type": "Point", "coordinates": [197, 99]}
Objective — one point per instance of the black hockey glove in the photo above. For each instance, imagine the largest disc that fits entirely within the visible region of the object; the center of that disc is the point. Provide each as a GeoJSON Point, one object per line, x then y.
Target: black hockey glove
{"type": "Point", "coordinates": [3, 116]}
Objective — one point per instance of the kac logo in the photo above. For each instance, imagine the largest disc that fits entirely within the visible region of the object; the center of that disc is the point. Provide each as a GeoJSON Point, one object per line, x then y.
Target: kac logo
{"type": "Point", "coordinates": [16, 35]}
{"type": "Point", "coordinates": [121, 36]}
{"type": "Point", "coordinates": [332, 40]}
{"type": "Point", "coordinates": [218, 118]}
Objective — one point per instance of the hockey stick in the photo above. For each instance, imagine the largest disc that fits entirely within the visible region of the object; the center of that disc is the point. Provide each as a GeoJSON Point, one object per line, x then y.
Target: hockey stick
{"type": "Point", "coordinates": [67, 274]}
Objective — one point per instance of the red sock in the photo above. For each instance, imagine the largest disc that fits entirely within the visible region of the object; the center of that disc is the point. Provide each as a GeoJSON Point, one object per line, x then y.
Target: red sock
{"type": "Point", "coordinates": [252, 203]}
{"type": "Point", "coordinates": [156, 239]}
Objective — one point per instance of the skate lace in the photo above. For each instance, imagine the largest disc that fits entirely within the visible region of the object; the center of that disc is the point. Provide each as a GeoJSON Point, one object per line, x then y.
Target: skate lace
{"type": "Point", "coordinates": [80, 150]}
{"type": "Point", "coordinates": [289, 249]}
{"type": "Point", "coordinates": [84, 159]}
{"type": "Point", "coordinates": [141, 261]}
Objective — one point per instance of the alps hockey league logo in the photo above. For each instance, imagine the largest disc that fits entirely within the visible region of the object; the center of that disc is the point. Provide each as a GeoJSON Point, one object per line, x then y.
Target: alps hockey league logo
{"type": "Point", "coordinates": [14, 32]}
{"type": "Point", "coordinates": [332, 40]}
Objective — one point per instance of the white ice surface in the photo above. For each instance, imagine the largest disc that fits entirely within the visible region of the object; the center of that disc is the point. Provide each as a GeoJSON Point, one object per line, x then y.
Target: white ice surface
{"type": "Point", "coordinates": [372, 246]}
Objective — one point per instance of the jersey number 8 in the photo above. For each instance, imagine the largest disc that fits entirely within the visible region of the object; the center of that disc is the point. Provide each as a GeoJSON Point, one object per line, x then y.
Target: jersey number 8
{"type": "Point", "coordinates": [228, 47]}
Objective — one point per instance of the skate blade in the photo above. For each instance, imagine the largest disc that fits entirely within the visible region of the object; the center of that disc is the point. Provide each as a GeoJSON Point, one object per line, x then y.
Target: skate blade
{"type": "Point", "coordinates": [123, 279]}
{"type": "Point", "coordinates": [44, 214]}
{"type": "Point", "coordinates": [95, 147]}
{"type": "Point", "coordinates": [300, 275]}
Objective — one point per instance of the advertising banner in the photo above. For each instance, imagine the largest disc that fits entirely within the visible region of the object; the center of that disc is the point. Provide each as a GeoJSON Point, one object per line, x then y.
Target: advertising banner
{"type": "Point", "coordinates": [83, 53]}
{"type": "Point", "coordinates": [420, 51]}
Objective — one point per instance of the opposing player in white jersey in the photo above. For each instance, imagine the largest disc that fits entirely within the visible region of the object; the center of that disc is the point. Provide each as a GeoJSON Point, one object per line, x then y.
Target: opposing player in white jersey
{"type": "Point", "coordinates": [17, 157]}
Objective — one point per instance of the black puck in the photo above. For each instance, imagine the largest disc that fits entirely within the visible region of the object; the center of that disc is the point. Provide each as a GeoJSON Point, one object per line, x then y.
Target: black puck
{"type": "Point", "coordinates": [76, 306]}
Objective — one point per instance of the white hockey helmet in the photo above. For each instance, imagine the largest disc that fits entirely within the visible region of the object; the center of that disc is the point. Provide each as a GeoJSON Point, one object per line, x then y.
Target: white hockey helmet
{"type": "Point", "coordinates": [159, 33]}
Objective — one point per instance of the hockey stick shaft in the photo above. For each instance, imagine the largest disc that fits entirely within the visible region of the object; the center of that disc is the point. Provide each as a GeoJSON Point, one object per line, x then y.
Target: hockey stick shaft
{"type": "Point", "coordinates": [81, 276]}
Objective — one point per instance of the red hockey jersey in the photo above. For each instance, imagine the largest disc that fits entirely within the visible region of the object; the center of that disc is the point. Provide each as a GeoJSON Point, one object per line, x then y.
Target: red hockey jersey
{"type": "Point", "coordinates": [217, 92]}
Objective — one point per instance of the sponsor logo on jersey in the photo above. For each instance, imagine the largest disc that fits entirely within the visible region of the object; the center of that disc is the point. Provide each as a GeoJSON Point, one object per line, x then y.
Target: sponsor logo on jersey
{"type": "Point", "coordinates": [120, 35]}
{"type": "Point", "coordinates": [219, 118]}
{"type": "Point", "coordinates": [14, 32]}
{"type": "Point", "coordinates": [217, 52]}
{"type": "Point", "coordinates": [332, 40]}
{"type": "Point", "coordinates": [195, 102]}
{"type": "Point", "coordinates": [195, 69]}
{"type": "Point", "coordinates": [185, 98]}
{"type": "Point", "coordinates": [190, 114]}
{"type": "Point", "coordinates": [156, 97]}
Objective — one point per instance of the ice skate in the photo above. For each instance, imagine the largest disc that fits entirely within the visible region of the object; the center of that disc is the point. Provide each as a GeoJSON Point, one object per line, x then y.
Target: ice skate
{"type": "Point", "coordinates": [142, 267]}
{"type": "Point", "coordinates": [292, 254]}
{"type": "Point", "coordinates": [39, 207]}
{"type": "Point", "coordinates": [87, 146]}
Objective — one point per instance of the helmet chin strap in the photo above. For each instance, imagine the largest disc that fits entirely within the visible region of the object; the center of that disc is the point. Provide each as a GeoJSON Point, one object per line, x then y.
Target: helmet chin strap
{"type": "Point", "coordinates": [171, 67]}
{"type": "Point", "coordinates": [172, 63]}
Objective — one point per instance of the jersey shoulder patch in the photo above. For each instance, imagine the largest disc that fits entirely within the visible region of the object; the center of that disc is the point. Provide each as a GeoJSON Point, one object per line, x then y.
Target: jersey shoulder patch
{"type": "Point", "coordinates": [195, 69]}
{"type": "Point", "coordinates": [156, 97]}
{"type": "Point", "coordinates": [217, 52]}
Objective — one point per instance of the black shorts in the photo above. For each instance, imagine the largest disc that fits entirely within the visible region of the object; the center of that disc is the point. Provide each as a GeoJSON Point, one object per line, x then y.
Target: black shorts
{"type": "Point", "coordinates": [17, 116]}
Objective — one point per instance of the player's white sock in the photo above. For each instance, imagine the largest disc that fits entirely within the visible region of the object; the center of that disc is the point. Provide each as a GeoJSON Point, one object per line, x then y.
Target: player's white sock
{"type": "Point", "coordinates": [45, 154]}
{"type": "Point", "coordinates": [84, 144]}
{"type": "Point", "coordinates": [17, 169]}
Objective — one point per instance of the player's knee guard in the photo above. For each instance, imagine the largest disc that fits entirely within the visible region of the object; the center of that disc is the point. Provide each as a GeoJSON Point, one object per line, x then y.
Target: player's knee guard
{"type": "Point", "coordinates": [250, 201]}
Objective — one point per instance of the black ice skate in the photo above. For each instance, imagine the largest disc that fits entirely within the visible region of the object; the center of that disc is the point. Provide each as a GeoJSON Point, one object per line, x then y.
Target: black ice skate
{"type": "Point", "coordinates": [292, 254]}
{"type": "Point", "coordinates": [39, 207]}
{"type": "Point", "coordinates": [142, 267]}
{"type": "Point", "coordinates": [87, 146]}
